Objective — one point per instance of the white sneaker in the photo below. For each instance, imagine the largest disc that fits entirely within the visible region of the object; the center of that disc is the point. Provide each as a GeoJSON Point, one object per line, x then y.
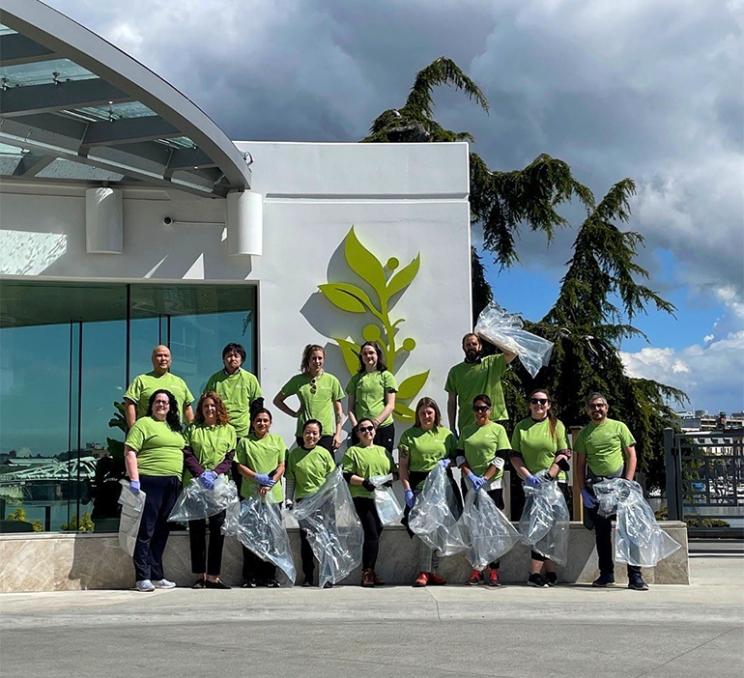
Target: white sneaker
{"type": "Point", "coordinates": [164, 584]}
{"type": "Point", "coordinates": [144, 586]}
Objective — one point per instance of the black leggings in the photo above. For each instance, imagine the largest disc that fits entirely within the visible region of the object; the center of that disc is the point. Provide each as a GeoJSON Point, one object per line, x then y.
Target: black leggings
{"type": "Point", "coordinates": [205, 559]}
{"type": "Point", "coordinates": [365, 508]}
{"type": "Point", "coordinates": [255, 568]}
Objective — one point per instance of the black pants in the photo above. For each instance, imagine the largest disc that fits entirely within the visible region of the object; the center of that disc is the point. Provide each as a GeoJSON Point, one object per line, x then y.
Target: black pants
{"type": "Point", "coordinates": [325, 441]}
{"type": "Point", "coordinates": [306, 554]}
{"type": "Point", "coordinates": [498, 499]}
{"type": "Point", "coordinates": [161, 494]}
{"type": "Point", "coordinates": [365, 508]}
{"type": "Point", "coordinates": [384, 436]}
{"type": "Point", "coordinates": [563, 487]}
{"type": "Point", "coordinates": [255, 568]}
{"type": "Point", "coordinates": [205, 559]}
{"type": "Point", "coordinates": [603, 536]}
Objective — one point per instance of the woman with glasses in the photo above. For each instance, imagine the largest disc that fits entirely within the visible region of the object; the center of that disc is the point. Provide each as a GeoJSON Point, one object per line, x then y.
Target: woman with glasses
{"type": "Point", "coordinates": [153, 454]}
{"type": "Point", "coordinates": [371, 394]}
{"type": "Point", "coordinates": [320, 395]}
{"type": "Point", "coordinates": [481, 453]}
{"type": "Point", "coordinates": [538, 442]}
{"type": "Point", "coordinates": [361, 462]}
{"type": "Point", "coordinates": [260, 461]}
{"type": "Point", "coordinates": [209, 452]}
{"type": "Point", "coordinates": [421, 447]}
{"type": "Point", "coordinates": [308, 466]}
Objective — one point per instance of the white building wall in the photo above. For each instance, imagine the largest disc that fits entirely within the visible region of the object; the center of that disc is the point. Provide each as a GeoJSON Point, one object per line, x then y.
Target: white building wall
{"type": "Point", "coordinates": [404, 200]}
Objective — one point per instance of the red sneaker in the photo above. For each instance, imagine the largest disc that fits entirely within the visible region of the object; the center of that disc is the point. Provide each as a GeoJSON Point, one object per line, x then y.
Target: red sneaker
{"type": "Point", "coordinates": [437, 579]}
{"type": "Point", "coordinates": [474, 579]}
{"type": "Point", "coordinates": [493, 577]}
{"type": "Point", "coordinates": [368, 578]}
{"type": "Point", "coordinates": [422, 579]}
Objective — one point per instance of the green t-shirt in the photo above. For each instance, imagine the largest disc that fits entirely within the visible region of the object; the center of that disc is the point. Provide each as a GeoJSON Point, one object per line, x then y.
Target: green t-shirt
{"type": "Point", "coordinates": [317, 396]}
{"type": "Point", "coordinates": [262, 455]}
{"type": "Point", "coordinates": [144, 385]}
{"type": "Point", "coordinates": [366, 462]}
{"type": "Point", "coordinates": [210, 445]}
{"type": "Point", "coordinates": [468, 380]}
{"type": "Point", "coordinates": [537, 447]}
{"type": "Point", "coordinates": [159, 449]}
{"type": "Point", "coordinates": [424, 449]}
{"type": "Point", "coordinates": [480, 445]}
{"type": "Point", "coordinates": [237, 390]}
{"type": "Point", "coordinates": [369, 390]}
{"type": "Point", "coordinates": [603, 446]}
{"type": "Point", "coordinates": [309, 469]}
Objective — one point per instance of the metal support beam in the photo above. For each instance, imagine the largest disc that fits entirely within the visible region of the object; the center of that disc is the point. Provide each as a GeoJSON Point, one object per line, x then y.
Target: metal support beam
{"type": "Point", "coordinates": [32, 163]}
{"type": "Point", "coordinates": [129, 130]}
{"type": "Point", "coordinates": [17, 49]}
{"type": "Point", "coordinates": [673, 467]}
{"type": "Point", "coordinates": [189, 158]}
{"type": "Point", "coordinates": [20, 101]}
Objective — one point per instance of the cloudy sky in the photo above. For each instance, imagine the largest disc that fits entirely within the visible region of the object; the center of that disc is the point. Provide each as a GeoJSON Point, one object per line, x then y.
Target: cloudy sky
{"type": "Point", "coordinates": [648, 89]}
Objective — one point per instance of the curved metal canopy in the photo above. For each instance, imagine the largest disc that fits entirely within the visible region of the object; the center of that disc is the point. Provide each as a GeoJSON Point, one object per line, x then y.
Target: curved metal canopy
{"type": "Point", "coordinates": [74, 106]}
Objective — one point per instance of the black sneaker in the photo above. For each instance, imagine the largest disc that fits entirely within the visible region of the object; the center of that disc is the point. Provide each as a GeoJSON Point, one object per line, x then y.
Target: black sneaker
{"type": "Point", "coordinates": [250, 583]}
{"type": "Point", "coordinates": [604, 580]}
{"type": "Point", "coordinates": [537, 580]}
{"type": "Point", "coordinates": [308, 581]}
{"type": "Point", "coordinates": [637, 584]}
{"type": "Point", "coordinates": [551, 578]}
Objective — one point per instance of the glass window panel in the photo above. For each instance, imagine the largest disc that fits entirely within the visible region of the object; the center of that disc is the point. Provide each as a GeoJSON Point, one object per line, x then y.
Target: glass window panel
{"type": "Point", "coordinates": [43, 72]}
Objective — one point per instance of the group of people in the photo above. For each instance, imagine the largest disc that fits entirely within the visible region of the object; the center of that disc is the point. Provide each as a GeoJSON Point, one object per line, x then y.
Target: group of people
{"type": "Point", "coordinates": [229, 434]}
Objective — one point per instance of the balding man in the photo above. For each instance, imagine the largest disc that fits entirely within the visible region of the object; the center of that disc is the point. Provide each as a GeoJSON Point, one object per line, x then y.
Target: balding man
{"type": "Point", "coordinates": [143, 386]}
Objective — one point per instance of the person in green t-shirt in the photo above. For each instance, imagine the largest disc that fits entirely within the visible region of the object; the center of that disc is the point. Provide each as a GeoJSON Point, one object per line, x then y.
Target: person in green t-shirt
{"type": "Point", "coordinates": [539, 446]}
{"type": "Point", "coordinates": [360, 463]}
{"type": "Point", "coordinates": [308, 467]}
{"type": "Point", "coordinates": [475, 375]}
{"type": "Point", "coordinates": [421, 447]}
{"type": "Point", "coordinates": [481, 451]}
{"type": "Point", "coordinates": [137, 396]}
{"type": "Point", "coordinates": [605, 449]}
{"type": "Point", "coordinates": [320, 396]}
{"type": "Point", "coordinates": [371, 394]}
{"type": "Point", "coordinates": [208, 454]}
{"type": "Point", "coordinates": [238, 388]}
{"type": "Point", "coordinates": [153, 456]}
{"type": "Point", "coordinates": [260, 461]}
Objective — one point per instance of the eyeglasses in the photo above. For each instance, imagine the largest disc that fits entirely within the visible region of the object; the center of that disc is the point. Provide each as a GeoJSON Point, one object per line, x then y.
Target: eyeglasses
{"type": "Point", "coordinates": [365, 429]}
{"type": "Point", "coordinates": [597, 406]}
{"type": "Point", "coordinates": [481, 408]}
{"type": "Point", "coordinates": [538, 401]}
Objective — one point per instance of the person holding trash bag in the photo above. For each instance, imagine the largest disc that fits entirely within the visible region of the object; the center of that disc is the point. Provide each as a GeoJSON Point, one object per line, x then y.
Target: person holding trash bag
{"type": "Point", "coordinates": [421, 447]}
{"type": "Point", "coordinates": [153, 455]}
{"type": "Point", "coordinates": [209, 453]}
{"type": "Point", "coordinates": [260, 461]}
{"type": "Point", "coordinates": [481, 452]}
{"type": "Point", "coordinates": [605, 449]}
{"type": "Point", "coordinates": [538, 442]}
{"type": "Point", "coordinates": [360, 463]}
{"type": "Point", "coordinates": [308, 467]}
{"type": "Point", "coordinates": [371, 394]}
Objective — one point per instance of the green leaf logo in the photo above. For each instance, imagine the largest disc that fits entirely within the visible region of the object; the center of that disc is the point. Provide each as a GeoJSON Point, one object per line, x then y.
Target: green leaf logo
{"type": "Point", "coordinates": [365, 264]}
{"type": "Point", "coordinates": [347, 297]}
{"type": "Point", "coordinates": [404, 277]}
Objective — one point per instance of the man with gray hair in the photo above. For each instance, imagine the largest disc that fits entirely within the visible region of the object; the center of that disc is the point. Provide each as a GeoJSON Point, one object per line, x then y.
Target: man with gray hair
{"type": "Point", "coordinates": [605, 449]}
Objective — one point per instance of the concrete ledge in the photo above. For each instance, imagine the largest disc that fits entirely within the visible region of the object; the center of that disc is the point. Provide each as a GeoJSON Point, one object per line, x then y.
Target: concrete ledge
{"type": "Point", "coordinates": [79, 561]}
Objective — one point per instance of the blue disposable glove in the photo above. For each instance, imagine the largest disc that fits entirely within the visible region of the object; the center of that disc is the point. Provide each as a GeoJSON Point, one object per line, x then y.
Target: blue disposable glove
{"type": "Point", "coordinates": [410, 498]}
{"type": "Point", "coordinates": [532, 481]}
{"type": "Point", "coordinates": [476, 481]}
{"type": "Point", "coordinates": [588, 498]}
{"type": "Point", "coordinates": [263, 479]}
{"type": "Point", "coordinates": [206, 479]}
{"type": "Point", "coordinates": [134, 486]}
{"type": "Point", "coordinates": [444, 463]}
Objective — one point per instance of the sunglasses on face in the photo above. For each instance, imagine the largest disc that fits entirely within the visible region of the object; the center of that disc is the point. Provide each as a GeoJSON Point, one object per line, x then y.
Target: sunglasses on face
{"type": "Point", "coordinates": [481, 408]}
{"type": "Point", "coordinates": [538, 401]}
{"type": "Point", "coordinates": [365, 429]}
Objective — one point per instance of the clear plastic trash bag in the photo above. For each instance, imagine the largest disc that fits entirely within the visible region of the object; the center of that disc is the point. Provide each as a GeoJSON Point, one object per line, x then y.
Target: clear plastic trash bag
{"type": "Point", "coordinates": [258, 525]}
{"type": "Point", "coordinates": [333, 529]}
{"type": "Point", "coordinates": [544, 525]}
{"type": "Point", "coordinates": [196, 502]}
{"type": "Point", "coordinates": [389, 509]}
{"type": "Point", "coordinates": [433, 518]}
{"type": "Point", "coordinates": [505, 330]}
{"type": "Point", "coordinates": [132, 506]}
{"type": "Point", "coordinates": [485, 529]}
{"type": "Point", "coordinates": [639, 540]}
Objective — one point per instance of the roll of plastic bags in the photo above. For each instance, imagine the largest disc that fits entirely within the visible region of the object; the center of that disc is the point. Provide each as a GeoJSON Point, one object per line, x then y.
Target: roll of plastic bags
{"type": "Point", "coordinates": [544, 525]}
{"type": "Point", "coordinates": [389, 509]}
{"type": "Point", "coordinates": [132, 506]}
{"type": "Point", "coordinates": [333, 529]}
{"type": "Point", "coordinates": [486, 530]}
{"type": "Point", "coordinates": [639, 540]}
{"type": "Point", "coordinates": [196, 502]}
{"type": "Point", "coordinates": [505, 330]}
{"type": "Point", "coordinates": [258, 525]}
{"type": "Point", "coordinates": [433, 518]}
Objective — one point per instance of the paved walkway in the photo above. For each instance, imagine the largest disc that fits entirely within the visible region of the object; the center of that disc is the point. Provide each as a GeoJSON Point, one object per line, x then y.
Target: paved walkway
{"type": "Point", "coordinates": [670, 631]}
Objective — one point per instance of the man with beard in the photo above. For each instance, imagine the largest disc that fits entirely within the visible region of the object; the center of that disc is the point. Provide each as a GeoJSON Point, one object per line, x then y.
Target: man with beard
{"type": "Point", "coordinates": [477, 374]}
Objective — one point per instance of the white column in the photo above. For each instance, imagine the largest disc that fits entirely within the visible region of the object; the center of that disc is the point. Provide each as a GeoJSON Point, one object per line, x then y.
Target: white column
{"type": "Point", "coordinates": [104, 221]}
{"type": "Point", "coordinates": [245, 223]}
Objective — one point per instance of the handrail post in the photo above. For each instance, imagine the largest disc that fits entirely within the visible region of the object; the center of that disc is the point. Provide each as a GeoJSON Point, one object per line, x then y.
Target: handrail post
{"type": "Point", "coordinates": [577, 504]}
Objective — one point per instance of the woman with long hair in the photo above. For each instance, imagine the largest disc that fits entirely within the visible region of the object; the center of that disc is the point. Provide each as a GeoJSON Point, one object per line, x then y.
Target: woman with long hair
{"type": "Point", "coordinates": [153, 455]}
{"type": "Point", "coordinates": [208, 454]}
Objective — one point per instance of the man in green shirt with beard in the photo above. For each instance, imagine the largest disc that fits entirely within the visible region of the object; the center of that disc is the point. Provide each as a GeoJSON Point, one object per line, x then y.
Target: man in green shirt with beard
{"type": "Point", "coordinates": [605, 449]}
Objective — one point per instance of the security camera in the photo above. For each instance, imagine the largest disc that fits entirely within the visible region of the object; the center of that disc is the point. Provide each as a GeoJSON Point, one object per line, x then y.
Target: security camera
{"type": "Point", "coordinates": [167, 221]}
